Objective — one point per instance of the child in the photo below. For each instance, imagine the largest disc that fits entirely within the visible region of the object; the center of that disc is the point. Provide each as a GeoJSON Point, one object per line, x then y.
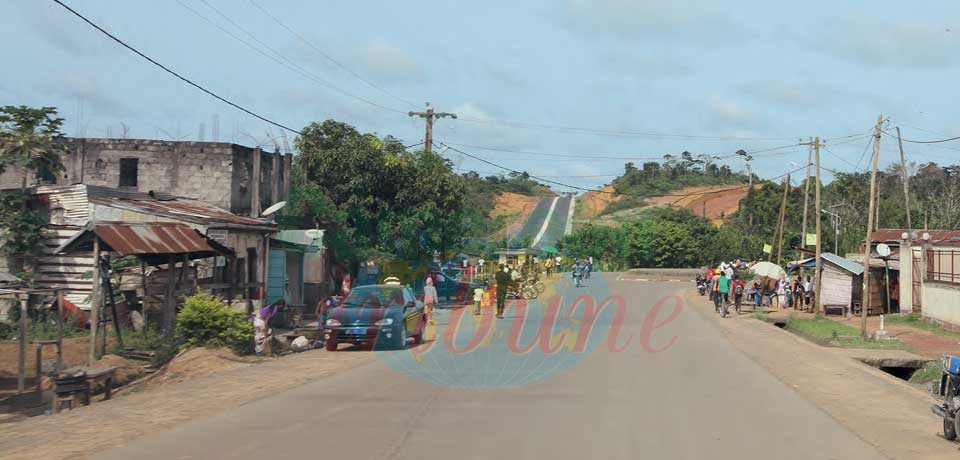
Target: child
{"type": "Point", "coordinates": [477, 298]}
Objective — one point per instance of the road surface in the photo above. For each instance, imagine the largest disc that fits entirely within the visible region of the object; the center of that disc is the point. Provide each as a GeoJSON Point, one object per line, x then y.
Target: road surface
{"type": "Point", "coordinates": [696, 399]}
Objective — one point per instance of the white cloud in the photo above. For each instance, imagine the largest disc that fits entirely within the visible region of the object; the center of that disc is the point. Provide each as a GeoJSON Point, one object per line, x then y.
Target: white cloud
{"type": "Point", "coordinates": [629, 19]}
{"type": "Point", "coordinates": [903, 44]}
{"type": "Point", "coordinates": [729, 112]}
{"type": "Point", "coordinates": [388, 62]}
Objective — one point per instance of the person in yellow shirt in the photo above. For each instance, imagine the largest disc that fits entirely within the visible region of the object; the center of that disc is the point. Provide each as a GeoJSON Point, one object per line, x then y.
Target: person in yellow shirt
{"type": "Point", "coordinates": [478, 298]}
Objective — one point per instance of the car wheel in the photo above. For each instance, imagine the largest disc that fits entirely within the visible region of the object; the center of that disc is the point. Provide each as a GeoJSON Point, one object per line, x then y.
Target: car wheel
{"type": "Point", "coordinates": [401, 340]}
{"type": "Point", "coordinates": [330, 345]}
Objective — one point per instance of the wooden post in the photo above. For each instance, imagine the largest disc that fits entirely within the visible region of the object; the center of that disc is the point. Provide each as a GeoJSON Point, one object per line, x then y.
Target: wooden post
{"type": "Point", "coordinates": [806, 200]}
{"type": "Point", "coordinates": [865, 300]}
{"type": "Point", "coordinates": [22, 357]}
{"type": "Point", "coordinates": [906, 185]}
{"type": "Point", "coordinates": [169, 308]}
{"type": "Point", "coordinates": [255, 185]}
{"type": "Point", "coordinates": [113, 307]}
{"type": "Point", "coordinates": [38, 375]}
{"type": "Point", "coordinates": [277, 178]}
{"type": "Point", "coordinates": [59, 330]}
{"type": "Point", "coordinates": [783, 219]}
{"type": "Point", "coordinates": [95, 301]}
{"type": "Point", "coordinates": [143, 285]}
{"type": "Point", "coordinates": [287, 167]}
{"type": "Point", "coordinates": [817, 305]}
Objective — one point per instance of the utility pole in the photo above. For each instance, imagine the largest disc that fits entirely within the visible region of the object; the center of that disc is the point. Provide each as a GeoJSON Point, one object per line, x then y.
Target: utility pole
{"type": "Point", "coordinates": [865, 301]}
{"type": "Point", "coordinates": [806, 199]}
{"type": "Point", "coordinates": [429, 115]}
{"type": "Point", "coordinates": [817, 305]}
{"type": "Point", "coordinates": [783, 218]}
{"type": "Point", "coordinates": [906, 184]}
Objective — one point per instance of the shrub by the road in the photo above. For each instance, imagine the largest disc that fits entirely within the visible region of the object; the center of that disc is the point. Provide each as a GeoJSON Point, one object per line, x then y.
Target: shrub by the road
{"type": "Point", "coordinates": [207, 321]}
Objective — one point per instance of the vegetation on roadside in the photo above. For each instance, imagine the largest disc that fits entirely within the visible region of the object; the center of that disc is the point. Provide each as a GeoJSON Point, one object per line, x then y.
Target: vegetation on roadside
{"type": "Point", "coordinates": [926, 374]}
{"type": "Point", "coordinates": [916, 321]}
{"type": "Point", "coordinates": [207, 321]}
{"type": "Point", "coordinates": [829, 332]}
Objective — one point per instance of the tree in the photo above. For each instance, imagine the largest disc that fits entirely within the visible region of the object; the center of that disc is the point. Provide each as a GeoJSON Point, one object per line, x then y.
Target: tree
{"type": "Point", "coordinates": [30, 139]}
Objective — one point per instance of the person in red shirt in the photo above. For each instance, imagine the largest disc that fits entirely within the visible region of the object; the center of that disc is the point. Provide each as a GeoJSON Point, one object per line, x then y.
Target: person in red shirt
{"type": "Point", "coordinates": [739, 287]}
{"type": "Point", "coordinates": [710, 282]}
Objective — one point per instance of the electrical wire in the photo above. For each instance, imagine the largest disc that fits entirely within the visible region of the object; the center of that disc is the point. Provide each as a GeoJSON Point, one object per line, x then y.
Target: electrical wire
{"type": "Point", "coordinates": [175, 74]}
{"type": "Point", "coordinates": [574, 187]}
{"type": "Point", "coordinates": [327, 56]}
{"type": "Point", "coordinates": [603, 157]}
{"type": "Point", "coordinates": [279, 58]}
{"type": "Point", "coordinates": [840, 158]}
{"type": "Point", "coordinates": [939, 141]}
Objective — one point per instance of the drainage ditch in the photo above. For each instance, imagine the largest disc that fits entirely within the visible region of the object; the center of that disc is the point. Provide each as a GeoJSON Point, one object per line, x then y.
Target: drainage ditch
{"type": "Point", "coordinates": [902, 369]}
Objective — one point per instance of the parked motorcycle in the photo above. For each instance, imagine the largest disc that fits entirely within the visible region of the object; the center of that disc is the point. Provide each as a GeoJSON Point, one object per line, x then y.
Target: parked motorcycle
{"type": "Point", "coordinates": [947, 392]}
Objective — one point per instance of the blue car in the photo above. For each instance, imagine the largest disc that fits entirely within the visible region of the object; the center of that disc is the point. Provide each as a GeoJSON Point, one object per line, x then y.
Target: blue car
{"type": "Point", "coordinates": [379, 315]}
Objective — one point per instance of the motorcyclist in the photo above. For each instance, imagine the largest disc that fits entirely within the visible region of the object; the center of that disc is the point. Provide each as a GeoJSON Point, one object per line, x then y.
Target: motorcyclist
{"type": "Point", "coordinates": [577, 270]}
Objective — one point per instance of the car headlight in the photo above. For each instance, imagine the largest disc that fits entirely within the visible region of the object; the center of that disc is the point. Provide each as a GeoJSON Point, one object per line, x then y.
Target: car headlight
{"type": "Point", "coordinates": [384, 322]}
{"type": "Point", "coordinates": [332, 322]}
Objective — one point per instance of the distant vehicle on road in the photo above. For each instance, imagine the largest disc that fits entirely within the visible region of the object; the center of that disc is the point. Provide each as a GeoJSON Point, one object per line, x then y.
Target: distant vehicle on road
{"type": "Point", "coordinates": [379, 315]}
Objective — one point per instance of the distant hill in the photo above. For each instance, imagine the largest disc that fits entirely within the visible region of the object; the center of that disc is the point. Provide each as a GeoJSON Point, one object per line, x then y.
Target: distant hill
{"type": "Point", "coordinates": [712, 190]}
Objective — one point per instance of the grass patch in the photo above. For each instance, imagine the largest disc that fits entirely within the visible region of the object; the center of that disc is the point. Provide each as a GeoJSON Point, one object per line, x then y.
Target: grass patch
{"type": "Point", "coordinates": [914, 320]}
{"type": "Point", "coordinates": [927, 374]}
{"type": "Point", "coordinates": [762, 317]}
{"type": "Point", "coordinates": [830, 332]}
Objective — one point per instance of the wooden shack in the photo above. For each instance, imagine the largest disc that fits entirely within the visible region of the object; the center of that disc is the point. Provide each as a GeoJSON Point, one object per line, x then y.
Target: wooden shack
{"type": "Point", "coordinates": [841, 281]}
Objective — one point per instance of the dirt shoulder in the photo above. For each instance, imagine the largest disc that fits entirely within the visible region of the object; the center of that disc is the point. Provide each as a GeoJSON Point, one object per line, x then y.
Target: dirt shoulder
{"type": "Point", "coordinates": [880, 409]}
{"type": "Point", "coordinates": [131, 414]}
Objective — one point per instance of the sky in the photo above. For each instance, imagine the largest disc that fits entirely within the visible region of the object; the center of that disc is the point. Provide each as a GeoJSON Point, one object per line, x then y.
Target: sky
{"type": "Point", "coordinates": [640, 79]}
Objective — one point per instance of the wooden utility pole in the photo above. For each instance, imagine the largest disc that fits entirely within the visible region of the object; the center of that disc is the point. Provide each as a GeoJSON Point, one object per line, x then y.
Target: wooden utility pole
{"type": "Point", "coordinates": [96, 297]}
{"type": "Point", "coordinates": [817, 305]}
{"type": "Point", "coordinates": [865, 298]}
{"type": "Point", "coordinates": [24, 302]}
{"type": "Point", "coordinates": [783, 218]}
{"type": "Point", "coordinates": [806, 200]}
{"type": "Point", "coordinates": [429, 115]}
{"type": "Point", "coordinates": [906, 184]}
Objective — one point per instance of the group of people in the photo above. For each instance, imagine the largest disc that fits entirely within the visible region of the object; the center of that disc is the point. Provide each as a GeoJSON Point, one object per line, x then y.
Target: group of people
{"type": "Point", "coordinates": [722, 283]}
{"type": "Point", "coordinates": [794, 293]}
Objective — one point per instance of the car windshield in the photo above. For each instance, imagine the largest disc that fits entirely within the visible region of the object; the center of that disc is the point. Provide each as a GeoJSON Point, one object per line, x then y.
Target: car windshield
{"type": "Point", "coordinates": [374, 297]}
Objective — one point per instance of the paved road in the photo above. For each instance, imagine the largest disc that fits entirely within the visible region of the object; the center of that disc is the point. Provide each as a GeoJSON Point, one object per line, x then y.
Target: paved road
{"type": "Point", "coordinates": [697, 399]}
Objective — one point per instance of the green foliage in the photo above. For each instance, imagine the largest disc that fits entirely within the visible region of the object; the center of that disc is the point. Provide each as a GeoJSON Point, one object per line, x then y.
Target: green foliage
{"type": "Point", "coordinates": [20, 224]}
{"type": "Point", "coordinates": [373, 197]}
{"type": "Point", "coordinates": [207, 321]}
{"type": "Point", "coordinates": [928, 373]}
{"type": "Point", "coordinates": [30, 139]}
{"type": "Point", "coordinates": [830, 332]}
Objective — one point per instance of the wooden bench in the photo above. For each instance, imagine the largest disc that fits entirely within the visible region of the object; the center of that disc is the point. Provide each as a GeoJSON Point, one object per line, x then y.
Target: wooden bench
{"type": "Point", "coordinates": [84, 385]}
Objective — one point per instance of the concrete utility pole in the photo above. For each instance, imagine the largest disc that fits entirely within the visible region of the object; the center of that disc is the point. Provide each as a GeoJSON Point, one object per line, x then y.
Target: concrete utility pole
{"type": "Point", "coordinates": [865, 301]}
{"type": "Point", "coordinates": [783, 218]}
{"type": "Point", "coordinates": [817, 305]}
{"type": "Point", "coordinates": [429, 115]}
{"type": "Point", "coordinates": [806, 200]}
{"type": "Point", "coordinates": [906, 184]}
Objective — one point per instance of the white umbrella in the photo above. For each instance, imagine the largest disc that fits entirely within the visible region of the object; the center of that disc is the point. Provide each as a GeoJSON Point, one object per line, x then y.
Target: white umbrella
{"type": "Point", "coordinates": [768, 269]}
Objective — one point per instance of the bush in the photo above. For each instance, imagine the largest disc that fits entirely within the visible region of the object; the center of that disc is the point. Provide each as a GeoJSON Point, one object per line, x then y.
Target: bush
{"type": "Point", "coordinates": [207, 321]}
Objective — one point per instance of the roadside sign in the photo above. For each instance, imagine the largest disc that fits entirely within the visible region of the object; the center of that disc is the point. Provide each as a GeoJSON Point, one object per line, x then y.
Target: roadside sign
{"type": "Point", "coordinates": [767, 249]}
{"type": "Point", "coordinates": [811, 239]}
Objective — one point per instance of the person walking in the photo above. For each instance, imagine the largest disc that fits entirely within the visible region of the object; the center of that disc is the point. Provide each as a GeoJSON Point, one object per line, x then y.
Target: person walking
{"type": "Point", "coordinates": [715, 293]}
{"type": "Point", "coordinates": [429, 299]}
{"type": "Point", "coordinates": [503, 280]}
{"type": "Point", "coordinates": [723, 291]}
{"type": "Point", "coordinates": [478, 298]}
{"type": "Point", "coordinates": [738, 288]}
{"type": "Point", "coordinates": [782, 292]}
{"type": "Point", "coordinates": [808, 291]}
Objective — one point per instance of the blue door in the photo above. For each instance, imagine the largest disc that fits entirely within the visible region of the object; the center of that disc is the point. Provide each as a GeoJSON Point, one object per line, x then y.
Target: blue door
{"type": "Point", "coordinates": [276, 275]}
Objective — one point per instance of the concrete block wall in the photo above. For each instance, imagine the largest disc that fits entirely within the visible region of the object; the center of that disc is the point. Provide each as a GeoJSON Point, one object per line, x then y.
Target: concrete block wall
{"type": "Point", "coordinates": [214, 172]}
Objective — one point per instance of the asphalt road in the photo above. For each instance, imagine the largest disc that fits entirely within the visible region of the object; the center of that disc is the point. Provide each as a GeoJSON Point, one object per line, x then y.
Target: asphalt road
{"type": "Point", "coordinates": [697, 398]}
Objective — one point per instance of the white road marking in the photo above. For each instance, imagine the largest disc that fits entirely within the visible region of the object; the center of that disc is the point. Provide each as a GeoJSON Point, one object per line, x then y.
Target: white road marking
{"type": "Point", "coordinates": [546, 222]}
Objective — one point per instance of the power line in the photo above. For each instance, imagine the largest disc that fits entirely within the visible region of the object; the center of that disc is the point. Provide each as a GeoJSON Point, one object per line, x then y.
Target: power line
{"type": "Point", "coordinates": [561, 184]}
{"type": "Point", "coordinates": [615, 132]}
{"type": "Point", "coordinates": [320, 51]}
{"type": "Point", "coordinates": [175, 74]}
{"type": "Point", "coordinates": [939, 141]}
{"type": "Point", "coordinates": [279, 58]}
{"type": "Point", "coordinates": [840, 157]}
{"type": "Point", "coordinates": [601, 157]}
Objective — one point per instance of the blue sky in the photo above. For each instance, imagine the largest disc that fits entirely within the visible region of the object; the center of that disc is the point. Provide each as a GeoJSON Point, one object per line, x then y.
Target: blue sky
{"type": "Point", "coordinates": [711, 76]}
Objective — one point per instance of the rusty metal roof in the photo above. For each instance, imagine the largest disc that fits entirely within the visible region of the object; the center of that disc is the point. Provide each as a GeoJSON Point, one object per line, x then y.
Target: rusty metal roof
{"type": "Point", "coordinates": [936, 236]}
{"type": "Point", "coordinates": [143, 239]}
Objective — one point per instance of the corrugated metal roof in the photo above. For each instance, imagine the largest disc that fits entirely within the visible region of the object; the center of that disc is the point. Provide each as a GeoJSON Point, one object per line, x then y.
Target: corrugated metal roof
{"type": "Point", "coordinates": [936, 236]}
{"type": "Point", "coordinates": [143, 238]}
{"type": "Point", "coordinates": [845, 264]}
{"type": "Point", "coordinates": [182, 209]}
